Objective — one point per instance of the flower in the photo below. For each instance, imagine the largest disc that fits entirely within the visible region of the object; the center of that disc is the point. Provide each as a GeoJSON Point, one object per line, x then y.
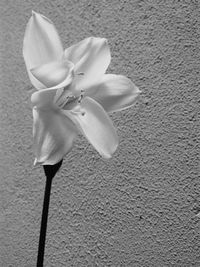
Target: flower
{"type": "Point", "coordinates": [73, 92]}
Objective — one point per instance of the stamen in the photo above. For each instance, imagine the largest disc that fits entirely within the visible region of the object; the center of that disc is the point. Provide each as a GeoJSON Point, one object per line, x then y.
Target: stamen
{"type": "Point", "coordinates": [78, 112]}
{"type": "Point", "coordinates": [81, 96]}
{"type": "Point", "coordinates": [64, 99]}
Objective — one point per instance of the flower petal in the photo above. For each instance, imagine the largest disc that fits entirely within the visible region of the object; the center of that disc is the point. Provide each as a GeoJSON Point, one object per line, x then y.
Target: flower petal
{"type": "Point", "coordinates": [91, 57]}
{"type": "Point", "coordinates": [44, 98]}
{"type": "Point", "coordinates": [41, 44]}
{"type": "Point", "coordinates": [53, 135]}
{"type": "Point", "coordinates": [56, 74]}
{"type": "Point", "coordinates": [114, 92]}
{"type": "Point", "coordinates": [96, 126]}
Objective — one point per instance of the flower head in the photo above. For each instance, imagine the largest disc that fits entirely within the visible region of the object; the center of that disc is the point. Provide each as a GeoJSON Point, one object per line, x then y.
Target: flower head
{"type": "Point", "coordinates": [73, 92]}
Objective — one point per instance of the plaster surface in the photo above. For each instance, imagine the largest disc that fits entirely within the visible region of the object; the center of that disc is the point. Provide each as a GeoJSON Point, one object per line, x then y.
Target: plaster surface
{"type": "Point", "coordinates": [139, 208]}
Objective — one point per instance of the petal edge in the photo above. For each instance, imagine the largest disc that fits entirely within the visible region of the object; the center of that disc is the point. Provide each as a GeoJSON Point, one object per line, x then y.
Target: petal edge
{"type": "Point", "coordinates": [41, 44]}
{"type": "Point", "coordinates": [91, 57]}
{"type": "Point", "coordinates": [96, 126]}
{"type": "Point", "coordinates": [53, 136]}
{"type": "Point", "coordinates": [114, 92]}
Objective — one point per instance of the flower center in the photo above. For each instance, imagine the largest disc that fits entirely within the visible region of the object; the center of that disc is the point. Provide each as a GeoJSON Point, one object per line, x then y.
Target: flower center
{"type": "Point", "coordinates": [64, 99]}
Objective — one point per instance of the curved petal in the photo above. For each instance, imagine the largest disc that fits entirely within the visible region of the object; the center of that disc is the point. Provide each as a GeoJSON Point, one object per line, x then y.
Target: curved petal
{"type": "Point", "coordinates": [53, 98]}
{"type": "Point", "coordinates": [56, 74]}
{"type": "Point", "coordinates": [53, 135]}
{"type": "Point", "coordinates": [114, 92]}
{"type": "Point", "coordinates": [44, 98]}
{"type": "Point", "coordinates": [41, 44]}
{"type": "Point", "coordinates": [91, 58]}
{"type": "Point", "coordinates": [96, 126]}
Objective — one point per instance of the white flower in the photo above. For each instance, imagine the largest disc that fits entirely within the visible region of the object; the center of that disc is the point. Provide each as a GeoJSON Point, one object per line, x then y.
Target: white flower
{"type": "Point", "coordinates": [74, 93]}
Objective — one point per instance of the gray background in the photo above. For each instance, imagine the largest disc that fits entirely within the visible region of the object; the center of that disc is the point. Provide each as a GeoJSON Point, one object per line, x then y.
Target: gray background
{"type": "Point", "coordinates": [139, 208]}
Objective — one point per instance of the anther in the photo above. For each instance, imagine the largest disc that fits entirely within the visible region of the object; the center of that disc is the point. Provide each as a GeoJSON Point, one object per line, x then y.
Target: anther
{"type": "Point", "coordinates": [81, 96]}
{"type": "Point", "coordinates": [78, 112]}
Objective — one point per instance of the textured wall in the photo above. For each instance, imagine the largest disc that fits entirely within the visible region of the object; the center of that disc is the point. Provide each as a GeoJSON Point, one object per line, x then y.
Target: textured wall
{"type": "Point", "coordinates": [139, 208]}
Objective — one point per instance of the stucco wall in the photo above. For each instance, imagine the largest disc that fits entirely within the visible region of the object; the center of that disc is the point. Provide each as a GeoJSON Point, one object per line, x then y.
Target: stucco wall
{"type": "Point", "coordinates": [139, 208]}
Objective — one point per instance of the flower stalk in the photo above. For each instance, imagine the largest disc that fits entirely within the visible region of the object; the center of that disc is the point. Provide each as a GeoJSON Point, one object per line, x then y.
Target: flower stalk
{"type": "Point", "coordinates": [50, 171]}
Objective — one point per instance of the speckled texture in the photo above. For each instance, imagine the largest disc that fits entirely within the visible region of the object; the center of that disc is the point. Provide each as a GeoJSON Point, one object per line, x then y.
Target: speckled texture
{"type": "Point", "coordinates": [139, 208]}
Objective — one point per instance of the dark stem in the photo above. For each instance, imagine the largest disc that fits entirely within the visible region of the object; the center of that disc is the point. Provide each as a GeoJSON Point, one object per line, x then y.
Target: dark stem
{"type": "Point", "coordinates": [43, 227]}
{"type": "Point", "coordinates": [50, 171]}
